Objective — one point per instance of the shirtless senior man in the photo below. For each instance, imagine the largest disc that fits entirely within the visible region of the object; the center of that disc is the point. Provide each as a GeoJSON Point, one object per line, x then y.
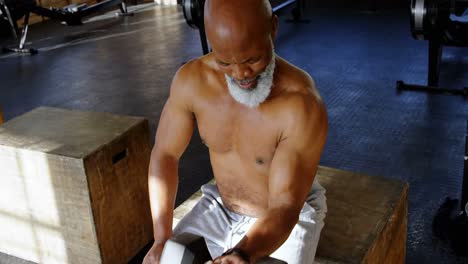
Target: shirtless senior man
{"type": "Point", "coordinates": [265, 126]}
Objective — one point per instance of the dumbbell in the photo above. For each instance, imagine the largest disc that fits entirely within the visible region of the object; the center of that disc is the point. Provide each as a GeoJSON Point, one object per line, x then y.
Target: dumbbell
{"type": "Point", "coordinates": [175, 253]}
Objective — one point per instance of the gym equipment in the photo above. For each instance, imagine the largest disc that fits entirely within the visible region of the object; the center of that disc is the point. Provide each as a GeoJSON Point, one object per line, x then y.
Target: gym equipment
{"type": "Point", "coordinates": [193, 13]}
{"type": "Point", "coordinates": [175, 253]}
{"type": "Point", "coordinates": [451, 220]}
{"type": "Point", "coordinates": [194, 10]}
{"type": "Point", "coordinates": [431, 20]}
{"type": "Point", "coordinates": [71, 15]}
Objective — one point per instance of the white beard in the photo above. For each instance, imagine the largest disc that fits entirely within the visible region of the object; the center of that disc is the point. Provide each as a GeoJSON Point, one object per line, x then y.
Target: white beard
{"type": "Point", "coordinates": [256, 96]}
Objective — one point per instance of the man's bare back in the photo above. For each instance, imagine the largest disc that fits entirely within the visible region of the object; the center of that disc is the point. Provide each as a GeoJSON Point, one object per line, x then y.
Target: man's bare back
{"type": "Point", "coordinates": [242, 141]}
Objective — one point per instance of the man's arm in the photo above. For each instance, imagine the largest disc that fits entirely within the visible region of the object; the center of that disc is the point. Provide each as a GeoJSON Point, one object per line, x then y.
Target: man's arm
{"type": "Point", "coordinates": [292, 173]}
{"type": "Point", "coordinates": [172, 137]}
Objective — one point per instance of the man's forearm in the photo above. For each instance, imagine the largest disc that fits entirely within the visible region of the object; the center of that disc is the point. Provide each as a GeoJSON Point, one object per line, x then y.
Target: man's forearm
{"type": "Point", "coordinates": [162, 185]}
{"type": "Point", "coordinates": [268, 233]}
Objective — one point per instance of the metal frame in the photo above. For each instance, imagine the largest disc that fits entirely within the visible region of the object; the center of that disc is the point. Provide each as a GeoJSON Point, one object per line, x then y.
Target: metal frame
{"type": "Point", "coordinates": [11, 21]}
{"type": "Point", "coordinates": [427, 23]}
{"type": "Point", "coordinates": [283, 5]}
{"type": "Point", "coordinates": [15, 31]}
{"type": "Point", "coordinates": [71, 17]}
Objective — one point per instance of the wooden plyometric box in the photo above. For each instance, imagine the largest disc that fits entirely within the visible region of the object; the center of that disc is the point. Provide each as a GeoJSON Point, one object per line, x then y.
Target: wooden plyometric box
{"type": "Point", "coordinates": [73, 187]}
{"type": "Point", "coordinates": [1, 116]}
{"type": "Point", "coordinates": [366, 220]}
{"type": "Point", "coordinates": [365, 223]}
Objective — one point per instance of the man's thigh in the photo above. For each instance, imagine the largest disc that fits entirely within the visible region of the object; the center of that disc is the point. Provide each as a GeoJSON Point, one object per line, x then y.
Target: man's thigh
{"type": "Point", "coordinates": [207, 220]}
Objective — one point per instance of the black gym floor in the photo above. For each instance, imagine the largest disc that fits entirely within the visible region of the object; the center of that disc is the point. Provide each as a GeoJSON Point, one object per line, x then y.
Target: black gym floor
{"type": "Point", "coordinates": [125, 66]}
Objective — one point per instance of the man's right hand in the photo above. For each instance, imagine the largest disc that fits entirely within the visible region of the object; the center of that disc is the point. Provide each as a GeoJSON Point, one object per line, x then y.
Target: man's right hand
{"type": "Point", "coordinates": [154, 254]}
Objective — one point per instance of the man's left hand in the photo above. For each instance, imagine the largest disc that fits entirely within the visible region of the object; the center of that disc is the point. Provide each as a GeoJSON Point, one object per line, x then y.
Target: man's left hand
{"type": "Point", "coordinates": [228, 259]}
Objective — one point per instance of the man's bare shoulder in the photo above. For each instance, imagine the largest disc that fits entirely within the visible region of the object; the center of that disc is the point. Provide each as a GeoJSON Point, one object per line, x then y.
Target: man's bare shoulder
{"type": "Point", "coordinates": [293, 79]}
{"type": "Point", "coordinates": [193, 75]}
{"type": "Point", "coordinates": [300, 110]}
{"type": "Point", "coordinates": [298, 93]}
{"type": "Point", "coordinates": [188, 73]}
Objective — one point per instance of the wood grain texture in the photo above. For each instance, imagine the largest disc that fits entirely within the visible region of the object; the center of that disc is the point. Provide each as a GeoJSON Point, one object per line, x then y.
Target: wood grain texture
{"type": "Point", "coordinates": [390, 246]}
{"type": "Point", "coordinates": [77, 135]}
{"type": "Point", "coordinates": [1, 116]}
{"type": "Point", "coordinates": [54, 3]}
{"type": "Point", "coordinates": [45, 214]}
{"type": "Point", "coordinates": [366, 220]}
{"type": "Point", "coordinates": [361, 210]}
{"type": "Point", "coordinates": [119, 194]}
{"type": "Point", "coordinates": [75, 198]}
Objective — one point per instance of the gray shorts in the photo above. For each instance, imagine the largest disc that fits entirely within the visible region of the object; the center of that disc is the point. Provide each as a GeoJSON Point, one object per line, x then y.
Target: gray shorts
{"type": "Point", "coordinates": [222, 229]}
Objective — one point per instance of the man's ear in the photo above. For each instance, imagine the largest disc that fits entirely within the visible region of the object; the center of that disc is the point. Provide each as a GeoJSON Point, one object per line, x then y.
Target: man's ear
{"type": "Point", "coordinates": [274, 27]}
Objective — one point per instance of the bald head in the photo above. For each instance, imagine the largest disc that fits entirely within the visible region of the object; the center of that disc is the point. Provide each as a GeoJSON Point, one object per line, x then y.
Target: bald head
{"type": "Point", "coordinates": [238, 21]}
{"type": "Point", "coordinates": [241, 34]}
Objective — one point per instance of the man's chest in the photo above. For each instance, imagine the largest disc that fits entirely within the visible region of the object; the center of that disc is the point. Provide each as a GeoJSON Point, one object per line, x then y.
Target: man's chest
{"type": "Point", "coordinates": [250, 134]}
